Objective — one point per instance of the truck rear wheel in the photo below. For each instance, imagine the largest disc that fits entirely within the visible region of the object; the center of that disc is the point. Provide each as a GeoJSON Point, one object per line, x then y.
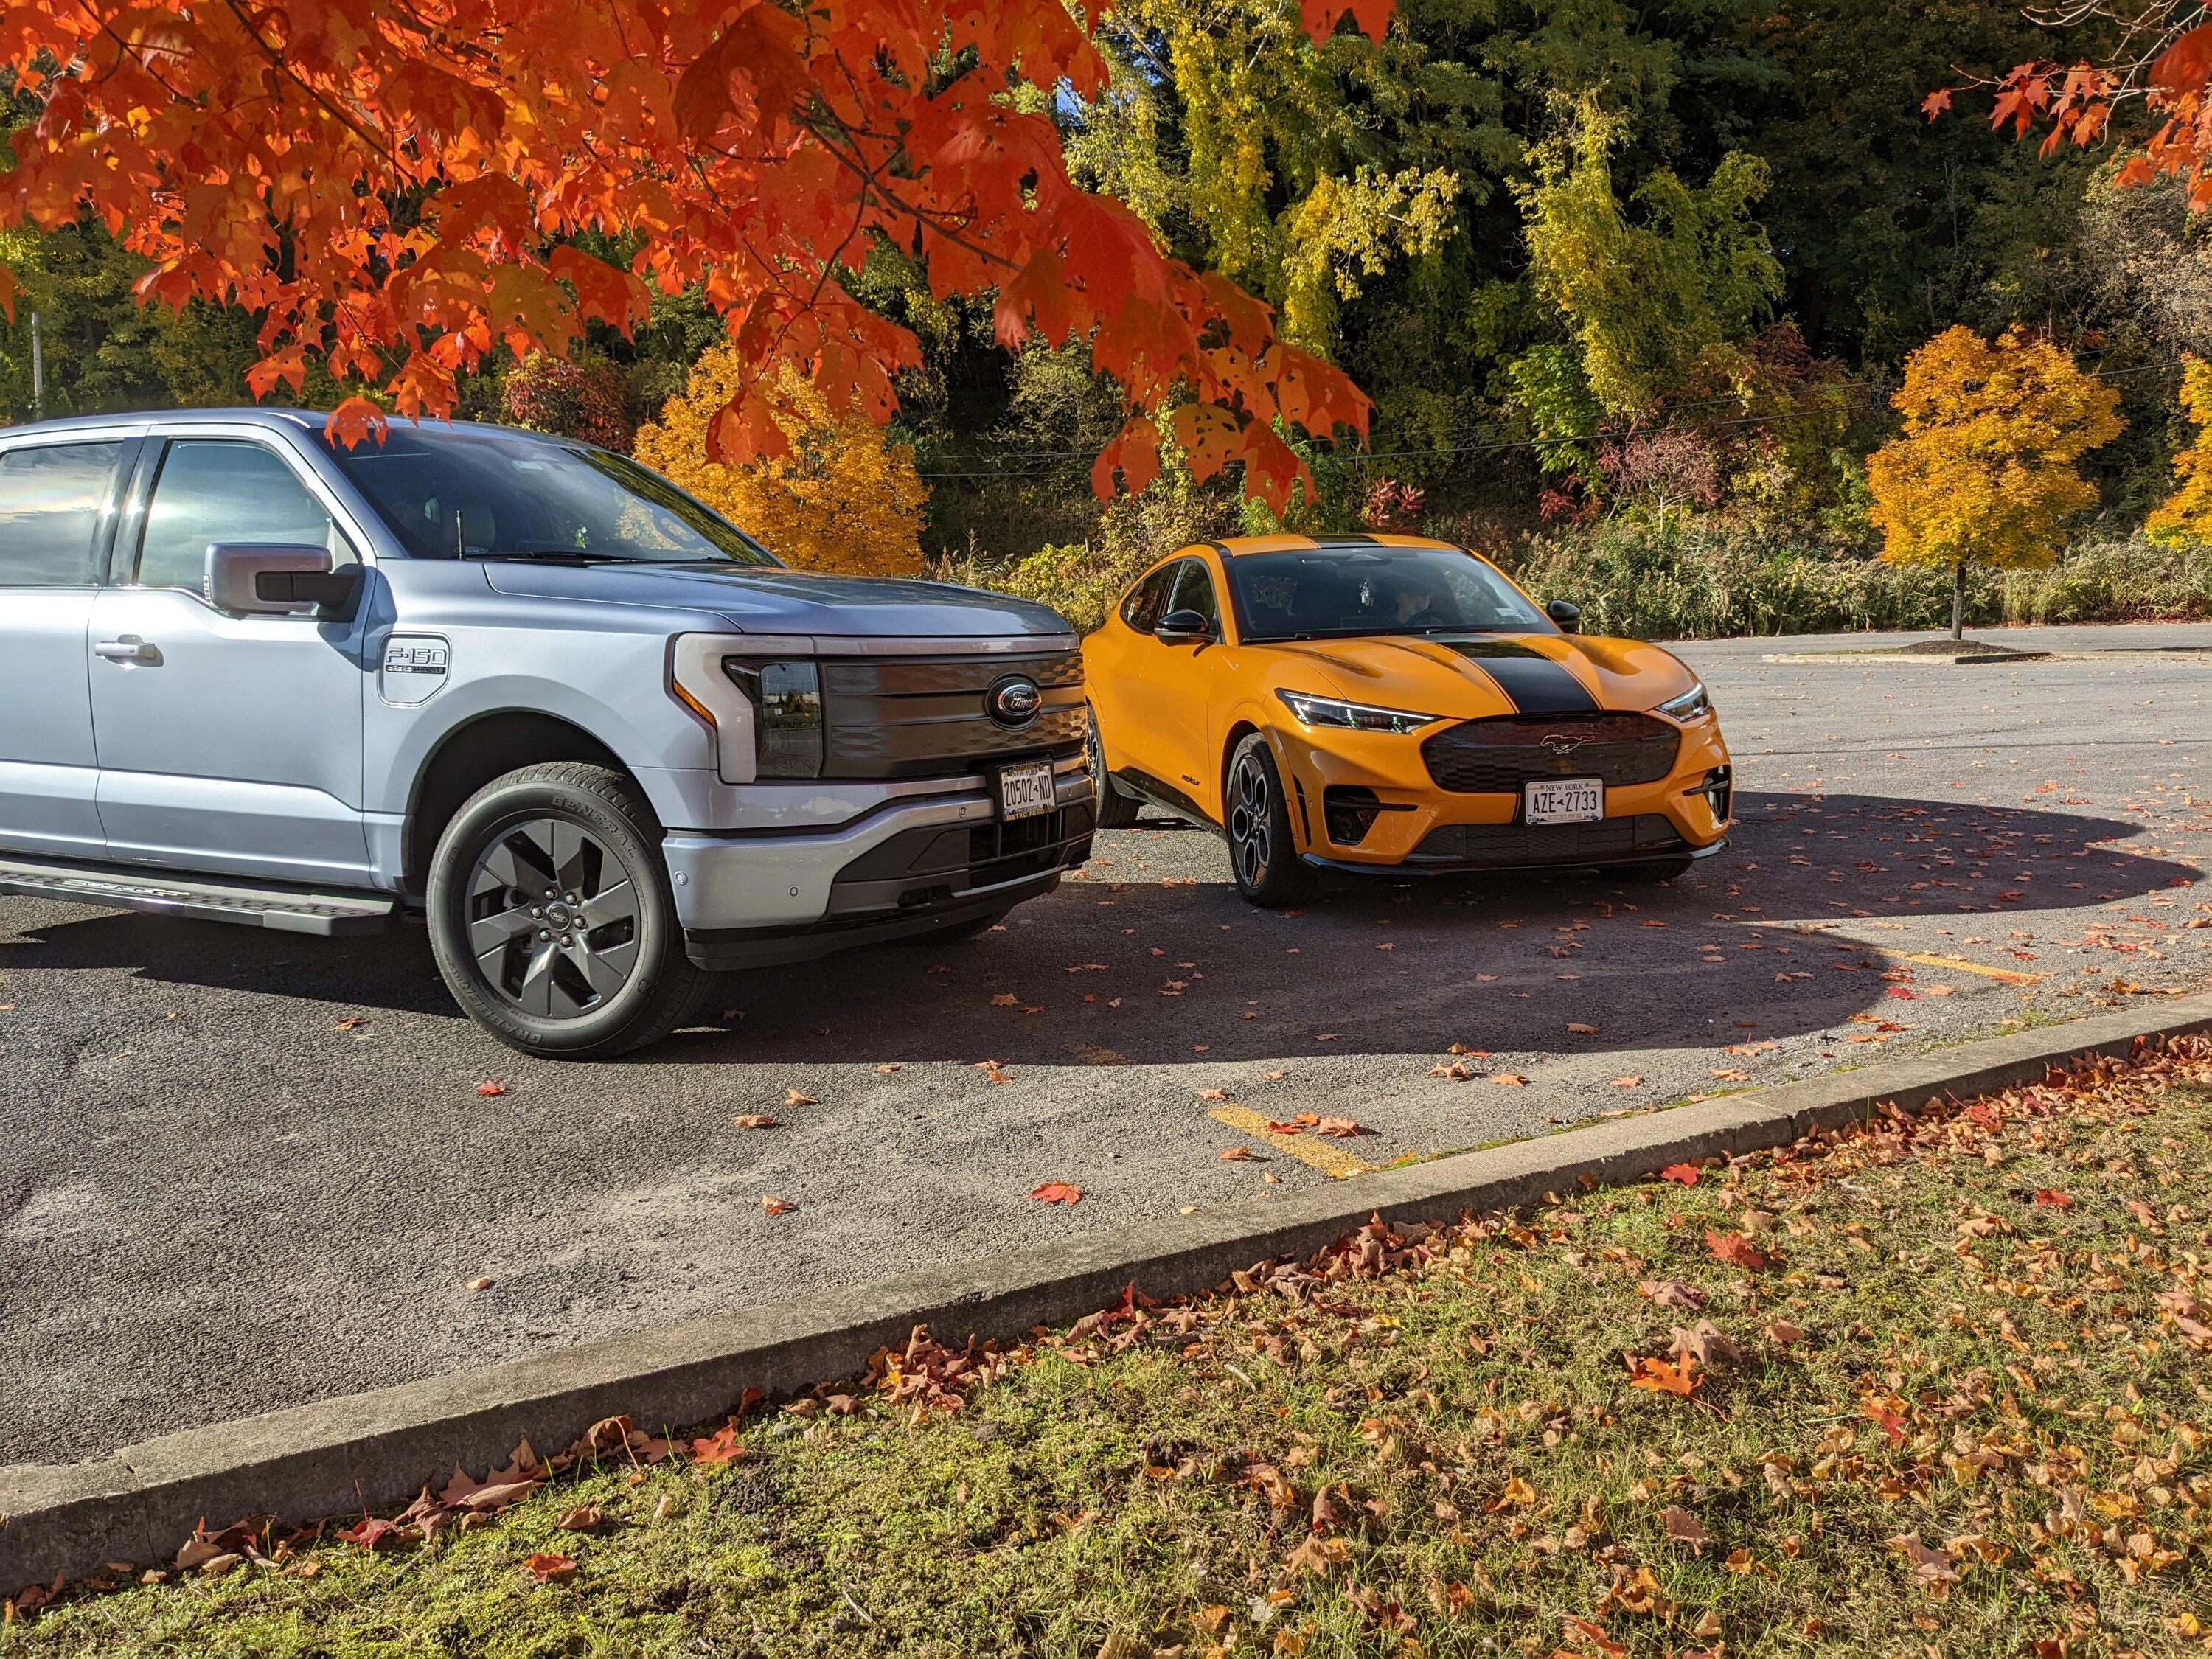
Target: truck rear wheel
{"type": "Point", "coordinates": [551, 918]}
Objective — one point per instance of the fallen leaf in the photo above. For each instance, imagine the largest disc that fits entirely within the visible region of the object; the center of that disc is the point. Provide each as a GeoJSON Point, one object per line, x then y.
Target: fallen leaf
{"type": "Point", "coordinates": [1341, 1128]}
{"type": "Point", "coordinates": [1057, 1192]}
{"type": "Point", "coordinates": [718, 1450]}
{"type": "Point", "coordinates": [1213, 1094]}
{"type": "Point", "coordinates": [584, 1517]}
{"type": "Point", "coordinates": [1705, 1343]}
{"type": "Point", "coordinates": [1236, 1155]}
{"type": "Point", "coordinates": [479, 1284]}
{"type": "Point", "coordinates": [1582, 1030]}
{"type": "Point", "coordinates": [794, 1097]}
{"type": "Point", "coordinates": [1662, 1377]}
{"type": "Point", "coordinates": [1735, 1249]}
{"type": "Point", "coordinates": [1684, 1528]}
{"type": "Point", "coordinates": [757, 1120]}
{"type": "Point", "coordinates": [1510, 1079]}
{"type": "Point", "coordinates": [1671, 1293]}
{"type": "Point", "coordinates": [1629, 1081]}
{"type": "Point", "coordinates": [351, 1023]}
{"type": "Point", "coordinates": [1004, 1000]}
{"type": "Point", "coordinates": [1783, 1331]}
{"type": "Point", "coordinates": [552, 1569]}
{"type": "Point", "coordinates": [490, 1089]}
{"type": "Point", "coordinates": [2054, 1201]}
{"type": "Point", "coordinates": [776, 1206]}
{"type": "Point", "coordinates": [1686, 1173]}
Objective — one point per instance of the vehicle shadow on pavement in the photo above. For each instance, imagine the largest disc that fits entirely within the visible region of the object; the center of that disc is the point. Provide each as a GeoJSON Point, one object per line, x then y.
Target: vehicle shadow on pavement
{"type": "Point", "coordinates": [1169, 966]}
{"type": "Point", "coordinates": [1142, 971]}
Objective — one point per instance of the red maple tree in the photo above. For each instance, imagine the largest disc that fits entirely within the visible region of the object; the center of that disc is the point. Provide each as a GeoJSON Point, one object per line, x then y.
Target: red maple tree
{"type": "Point", "coordinates": [401, 186]}
{"type": "Point", "coordinates": [2157, 77]}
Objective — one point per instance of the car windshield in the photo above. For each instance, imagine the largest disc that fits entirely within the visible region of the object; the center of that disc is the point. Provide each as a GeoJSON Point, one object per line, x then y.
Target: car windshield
{"type": "Point", "coordinates": [462, 495]}
{"type": "Point", "coordinates": [1331, 592]}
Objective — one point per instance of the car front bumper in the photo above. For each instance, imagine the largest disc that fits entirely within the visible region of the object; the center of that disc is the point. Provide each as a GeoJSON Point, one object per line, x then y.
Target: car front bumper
{"type": "Point", "coordinates": [1417, 827]}
{"type": "Point", "coordinates": [909, 868]}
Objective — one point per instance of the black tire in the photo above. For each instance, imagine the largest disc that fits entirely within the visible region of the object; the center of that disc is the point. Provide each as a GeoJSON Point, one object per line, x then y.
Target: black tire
{"type": "Point", "coordinates": [1646, 875]}
{"type": "Point", "coordinates": [587, 967]}
{"type": "Point", "coordinates": [1115, 810]}
{"type": "Point", "coordinates": [973, 927]}
{"type": "Point", "coordinates": [1256, 817]}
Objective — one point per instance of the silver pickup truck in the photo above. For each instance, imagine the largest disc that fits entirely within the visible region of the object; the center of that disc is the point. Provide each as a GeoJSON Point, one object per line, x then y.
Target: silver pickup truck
{"type": "Point", "coordinates": [599, 737]}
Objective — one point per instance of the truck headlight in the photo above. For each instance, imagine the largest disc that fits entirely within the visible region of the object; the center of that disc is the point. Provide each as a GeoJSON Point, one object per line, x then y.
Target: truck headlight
{"type": "Point", "coordinates": [786, 704]}
{"type": "Point", "coordinates": [765, 711]}
{"type": "Point", "coordinates": [1310, 710]}
{"type": "Point", "coordinates": [1693, 705]}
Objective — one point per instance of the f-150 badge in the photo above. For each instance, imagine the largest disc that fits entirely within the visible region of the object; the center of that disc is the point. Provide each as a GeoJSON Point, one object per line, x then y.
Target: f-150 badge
{"type": "Point", "coordinates": [415, 666]}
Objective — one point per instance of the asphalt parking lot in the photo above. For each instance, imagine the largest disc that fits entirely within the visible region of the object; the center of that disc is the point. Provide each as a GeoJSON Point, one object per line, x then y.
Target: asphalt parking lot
{"type": "Point", "coordinates": [245, 1169]}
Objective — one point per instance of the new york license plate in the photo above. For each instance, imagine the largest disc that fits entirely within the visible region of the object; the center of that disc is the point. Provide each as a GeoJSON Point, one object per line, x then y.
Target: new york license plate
{"type": "Point", "coordinates": [1563, 801]}
{"type": "Point", "coordinates": [1026, 791]}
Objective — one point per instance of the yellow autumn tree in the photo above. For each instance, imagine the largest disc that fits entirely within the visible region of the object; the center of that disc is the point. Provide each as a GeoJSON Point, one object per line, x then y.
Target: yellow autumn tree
{"type": "Point", "coordinates": [1984, 471]}
{"type": "Point", "coordinates": [2185, 516]}
{"type": "Point", "coordinates": [843, 499]}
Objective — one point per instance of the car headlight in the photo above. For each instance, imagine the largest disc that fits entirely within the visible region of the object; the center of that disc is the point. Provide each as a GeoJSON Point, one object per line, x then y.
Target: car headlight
{"type": "Point", "coordinates": [765, 711]}
{"type": "Point", "coordinates": [1693, 705]}
{"type": "Point", "coordinates": [1352, 716]}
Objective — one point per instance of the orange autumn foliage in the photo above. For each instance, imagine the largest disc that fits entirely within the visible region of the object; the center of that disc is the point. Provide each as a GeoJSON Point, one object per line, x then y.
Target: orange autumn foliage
{"type": "Point", "coordinates": [400, 192]}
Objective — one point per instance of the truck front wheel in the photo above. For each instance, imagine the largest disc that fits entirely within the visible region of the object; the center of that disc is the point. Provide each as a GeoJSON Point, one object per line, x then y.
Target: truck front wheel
{"type": "Point", "coordinates": [551, 918]}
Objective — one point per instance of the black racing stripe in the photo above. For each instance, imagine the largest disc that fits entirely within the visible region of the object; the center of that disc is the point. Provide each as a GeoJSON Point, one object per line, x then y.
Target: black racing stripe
{"type": "Point", "coordinates": [1536, 685]}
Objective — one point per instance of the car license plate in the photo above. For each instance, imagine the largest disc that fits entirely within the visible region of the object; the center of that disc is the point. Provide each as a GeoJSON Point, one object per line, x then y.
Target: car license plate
{"type": "Point", "coordinates": [1563, 801]}
{"type": "Point", "coordinates": [1024, 792]}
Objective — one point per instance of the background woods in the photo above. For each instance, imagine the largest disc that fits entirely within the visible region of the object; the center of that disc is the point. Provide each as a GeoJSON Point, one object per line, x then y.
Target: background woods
{"type": "Point", "coordinates": [1632, 290]}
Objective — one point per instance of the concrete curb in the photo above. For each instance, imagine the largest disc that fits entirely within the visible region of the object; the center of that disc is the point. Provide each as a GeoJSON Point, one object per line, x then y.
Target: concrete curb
{"type": "Point", "coordinates": [375, 1450]}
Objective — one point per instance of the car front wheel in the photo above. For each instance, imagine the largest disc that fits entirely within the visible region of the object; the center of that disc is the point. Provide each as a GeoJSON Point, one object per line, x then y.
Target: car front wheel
{"type": "Point", "coordinates": [551, 918]}
{"type": "Point", "coordinates": [1257, 819]}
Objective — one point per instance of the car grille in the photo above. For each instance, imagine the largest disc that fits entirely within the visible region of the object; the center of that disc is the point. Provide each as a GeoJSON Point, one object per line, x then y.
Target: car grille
{"type": "Point", "coordinates": [911, 717]}
{"type": "Point", "coordinates": [1506, 844]}
{"type": "Point", "coordinates": [1497, 756]}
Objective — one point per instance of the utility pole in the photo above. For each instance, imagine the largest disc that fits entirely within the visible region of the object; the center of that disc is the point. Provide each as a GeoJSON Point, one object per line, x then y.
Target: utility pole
{"type": "Point", "coordinates": [38, 373]}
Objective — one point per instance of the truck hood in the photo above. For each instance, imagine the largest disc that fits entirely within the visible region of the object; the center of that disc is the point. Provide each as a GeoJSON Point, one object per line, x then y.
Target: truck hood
{"type": "Point", "coordinates": [1473, 676]}
{"type": "Point", "coordinates": [758, 601]}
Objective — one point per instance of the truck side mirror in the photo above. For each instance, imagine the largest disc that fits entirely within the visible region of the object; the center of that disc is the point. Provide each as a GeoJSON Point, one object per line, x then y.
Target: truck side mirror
{"type": "Point", "coordinates": [272, 580]}
{"type": "Point", "coordinates": [1569, 617]}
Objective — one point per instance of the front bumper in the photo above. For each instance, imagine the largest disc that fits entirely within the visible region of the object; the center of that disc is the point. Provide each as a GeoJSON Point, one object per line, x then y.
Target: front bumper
{"type": "Point", "coordinates": [1417, 827]}
{"type": "Point", "coordinates": [907, 869]}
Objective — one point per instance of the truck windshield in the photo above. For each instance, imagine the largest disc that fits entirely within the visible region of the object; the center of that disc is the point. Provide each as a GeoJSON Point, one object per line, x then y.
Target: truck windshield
{"type": "Point", "coordinates": [1333, 592]}
{"type": "Point", "coordinates": [460, 494]}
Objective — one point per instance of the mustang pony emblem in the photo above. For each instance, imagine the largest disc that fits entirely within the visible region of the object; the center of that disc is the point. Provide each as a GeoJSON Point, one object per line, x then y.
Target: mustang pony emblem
{"type": "Point", "coordinates": [1564, 743]}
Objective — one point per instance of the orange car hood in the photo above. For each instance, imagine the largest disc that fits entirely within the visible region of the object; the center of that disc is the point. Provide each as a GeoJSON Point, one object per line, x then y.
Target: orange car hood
{"type": "Point", "coordinates": [1470, 676]}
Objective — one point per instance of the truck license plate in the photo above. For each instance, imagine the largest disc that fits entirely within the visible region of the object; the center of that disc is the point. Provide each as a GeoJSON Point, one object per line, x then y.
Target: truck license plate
{"type": "Point", "coordinates": [1563, 801]}
{"type": "Point", "coordinates": [1024, 792]}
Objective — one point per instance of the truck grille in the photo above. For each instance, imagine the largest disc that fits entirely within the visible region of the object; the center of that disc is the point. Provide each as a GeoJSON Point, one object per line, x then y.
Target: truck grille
{"type": "Point", "coordinates": [1497, 756]}
{"type": "Point", "coordinates": [911, 717]}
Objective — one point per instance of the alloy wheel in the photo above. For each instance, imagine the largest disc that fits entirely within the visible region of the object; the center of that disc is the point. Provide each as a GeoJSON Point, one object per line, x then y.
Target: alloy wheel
{"type": "Point", "coordinates": [1251, 804]}
{"type": "Point", "coordinates": [553, 919]}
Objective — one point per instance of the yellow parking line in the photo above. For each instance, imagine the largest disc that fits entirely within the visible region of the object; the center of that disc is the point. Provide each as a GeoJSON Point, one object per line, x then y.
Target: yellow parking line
{"type": "Point", "coordinates": [1331, 1160]}
{"type": "Point", "coordinates": [2009, 975]}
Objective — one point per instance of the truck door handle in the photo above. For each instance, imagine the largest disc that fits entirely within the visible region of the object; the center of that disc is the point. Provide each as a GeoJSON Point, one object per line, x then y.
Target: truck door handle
{"type": "Point", "coordinates": [129, 648]}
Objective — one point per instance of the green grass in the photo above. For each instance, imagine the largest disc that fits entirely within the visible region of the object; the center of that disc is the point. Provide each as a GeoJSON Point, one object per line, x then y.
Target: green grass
{"type": "Point", "coordinates": [1433, 1447]}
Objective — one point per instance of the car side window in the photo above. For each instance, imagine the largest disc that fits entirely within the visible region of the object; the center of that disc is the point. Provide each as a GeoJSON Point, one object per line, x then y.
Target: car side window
{"type": "Point", "coordinates": [1193, 590]}
{"type": "Point", "coordinates": [50, 499]}
{"type": "Point", "coordinates": [1146, 603]}
{"type": "Point", "coordinates": [226, 489]}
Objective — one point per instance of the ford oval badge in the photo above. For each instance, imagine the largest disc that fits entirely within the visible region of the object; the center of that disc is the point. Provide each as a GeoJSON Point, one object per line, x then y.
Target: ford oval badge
{"type": "Point", "coordinates": [1014, 701]}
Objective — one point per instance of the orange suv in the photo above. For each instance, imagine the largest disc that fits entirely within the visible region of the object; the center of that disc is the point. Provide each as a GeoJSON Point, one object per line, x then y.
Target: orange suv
{"type": "Point", "coordinates": [1392, 703]}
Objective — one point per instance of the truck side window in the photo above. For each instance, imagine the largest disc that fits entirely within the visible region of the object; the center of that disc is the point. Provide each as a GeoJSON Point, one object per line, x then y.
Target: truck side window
{"type": "Point", "coordinates": [222, 490]}
{"type": "Point", "coordinates": [1146, 603]}
{"type": "Point", "coordinates": [50, 499]}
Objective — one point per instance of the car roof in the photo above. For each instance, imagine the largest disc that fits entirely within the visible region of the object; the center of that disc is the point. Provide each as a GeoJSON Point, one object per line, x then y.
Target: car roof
{"type": "Point", "coordinates": [1232, 547]}
{"type": "Point", "coordinates": [307, 420]}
